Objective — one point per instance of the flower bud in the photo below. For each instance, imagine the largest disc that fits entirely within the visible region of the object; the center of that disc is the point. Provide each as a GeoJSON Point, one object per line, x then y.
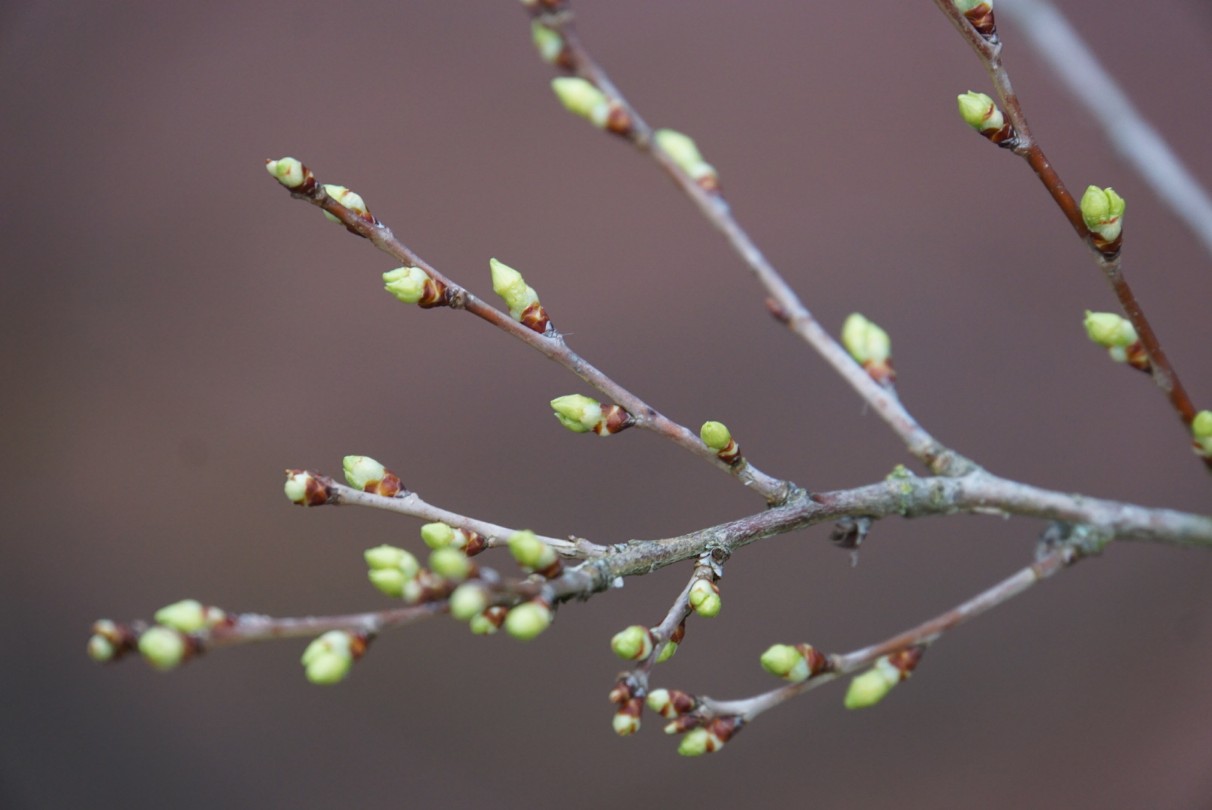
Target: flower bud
{"type": "Point", "coordinates": [287, 171]}
{"type": "Point", "coordinates": [550, 45]}
{"type": "Point", "coordinates": [304, 489]}
{"type": "Point", "coordinates": [450, 563]}
{"type": "Point", "coordinates": [110, 641]}
{"type": "Point", "coordinates": [101, 649]}
{"type": "Point", "coordinates": [582, 414]}
{"type": "Point", "coordinates": [368, 475]}
{"type": "Point", "coordinates": [870, 347]}
{"type": "Point", "coordinates": [685, 154]}
{"type": "Point", "coordinates": [163, 647]}
{"type": "Point", "coordinates": [437, 535]}
{"type": "Point", "coordinates": [980, 113]}
{"type": "Point", "coordinates": [522, 300]}
{"type": "Point", "coordinates": [634, 643]}
{"type": "Point", "coordinates": [533, 554]}
{"type": "Point", "coordinates": [671, 703]}
{"type": "Point", "coordinates": [667, 652]}
{"type": "Point", "coordinates": [708, 738]}
{"type": "Point", "coordinates": [489, 621]}
{"type": "Point", "coordinates": [582, 99]}
{"type": "Point", "coordinates": [1109, 330]}
{"type": "Point", "coordinates": [704, 597]}
{"type": "Point", "coordinates": [527, 620]}
{"type": "Point", "coordinates": [189, 616]}
{"type": "Point", "coordinates": [980, 14]}
{"type": "Point", "coordinates": [328, 659]}
{"type": "Point", "coordinates": [350, 199]}
{"type": "Point", "coordinates": [412, 285]}
{"type": "Point", "coordinates": [872, 686]}
{"type": "Point", "coordinates": [794, 663]}
{"type": "Point", "coordinates": [1201, 432]}
{"type": "Point", "coordinates": [715, 435]}
{"type": "Point", "coordinates": [626, 720]}
{"type": "Point", "coordinates": [468, 601]}
{"type": "Point", "coordinates": [388, 557]}
{"type": "Point", "coordinates": [1103, 212]}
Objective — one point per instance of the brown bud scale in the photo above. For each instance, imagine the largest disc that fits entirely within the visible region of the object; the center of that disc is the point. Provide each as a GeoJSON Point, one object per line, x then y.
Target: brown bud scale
{"type": "Point", "coordinates": [534, 318]}
{"type": "Point", "coordinates": [433, 294]}
{"type": "Point", "coordinates": [618, 120]}
{"type": "Point", "coordinates": [614, 419]}
{"type": "Point", "coordinates": [317, 492]}
{"type": "Point", "coordinates": [982, 20]}
{"type": "Point", "coordinates": [906, 660]}
{"type": "Point", "coordinates": [817, 661]}
{"type": "Point", "coordinates": [1109, 249]}
{"type": "Point", "coordinates": [730, 455]}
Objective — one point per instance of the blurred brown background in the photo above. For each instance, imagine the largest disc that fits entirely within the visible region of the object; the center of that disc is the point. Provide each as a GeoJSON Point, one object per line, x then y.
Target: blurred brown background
{"type": "Point", "coordinates": [178, 331]}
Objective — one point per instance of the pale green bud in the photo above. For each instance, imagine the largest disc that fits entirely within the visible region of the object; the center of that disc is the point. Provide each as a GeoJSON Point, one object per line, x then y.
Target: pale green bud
{"type": "Point", "coordinates": [509, 284]}
{"type": "Point", "coordinates": [1201, 431]}
{"type": "Point", "coordinates": [389, 581]}
{"type": "Point", "coordinates": [328, 659]}
{"type": "Point", "coordinates": [633, 643]}
{"type": "Point", "coordinates": [667, 652]}
{"type": "Point", "coordinates": [980, 113]}
{"type": "Point", "coordinates": [685, 153]}
{"type": "Point", "coordinates": [362, 470]}
{"type": "Point", "coordinates": [577, 412]}
{"type": "Point", "coordinates": [872, 686]}
{"type": "Point", "coordinates": [101, 649]}
{"type": "Point", "coordinates": [450, 563]}
{"type": "Point", "coordinates": [1103, 212]}
{"type": "Point", "coordinates": [704, 597]}
{"type": "Point", "coordinates": [188, 616]}
{"type": "Point", "coordinates": [715, 435]}
{"type": "Point", "coordinates": [964, 6]}
{"type": "Point", "coordinates": [481, 625]}
{"type": "Point", "coordinates": [1110, 330]}
{"type": "Point", "coordinates": [162, 647]}
{"type": "Point", "coordinates": [407, 284]}
{"type": "Point", "coordinates": [386, 557]}
{"type": "Point", "coordinates": [787, 662]}
{"type": "Point", "coordinates": [547, 42]}
{"type": "Point", "coordinates": [468, 601]}
{"type": "Point", "coordinates": [530, 551]}
{"type": "Point", "coordinates": [865, 341]}
{"type": "Point", "coordinates": [296, 487]}
{"type": "Point", "coordinates": [625, 723]}
{"type": "Point", "coordinates": [698, 741]}
{"type": "Point", "coordinates": [350, 199]}
{"type": "Point", "coordinates": [581, 98]}
{"type": "Point", "coordinates": [287, 171]}
{"type": "Point", "coordinates": [528, 620]}
{"type": "Point", "coordinates": [437, 535]}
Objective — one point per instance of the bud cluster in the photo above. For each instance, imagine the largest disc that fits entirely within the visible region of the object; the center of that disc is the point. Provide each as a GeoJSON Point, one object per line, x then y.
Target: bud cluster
{"type": "Point", "coordinates": [582, 414]}
{"type": "Point", "coordinates": [110, 641]}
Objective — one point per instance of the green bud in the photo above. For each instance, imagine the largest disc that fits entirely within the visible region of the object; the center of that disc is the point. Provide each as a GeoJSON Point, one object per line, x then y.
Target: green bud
{"type": "Point", "coordinates": [787, 662]}
{"type": "Point", "coordinates": [162, 647]}
{"type": "Point", "coordinates": [296, 487]}
{"type": "Point", "coordinates": [704, 597]}
{"type": "Point", "coordinates": [530, 551]}
{"type": "Point", "coordinates": [715, 435]}
{"type": "Point", "coordinates": [287, 171]}
{"type": "Point", "coordinates": [509, 284]}
{"type": "Point", "coordinates": [547, 42]}
{"type": "Point", "coordinates": [386, 557]}
{"type": "Point", "coordinates": [450, 563]}
{"type": "Point", "coordinates": [328, 659]}
{"type": "Point", "coordinates": [101, 649]}
{"type": "Point", "coordinates": [1103, 212]}
{"type": "Point", "coordinates": [667, 652]}
{"type": "Point", "coordinates": [633, 643]}
{"type": "Point", "coordinates": [350, 199]}
{"type": "Point", "coordinates": [528, 620]}
{"type": "Point", "coordinates": [188, 616]}
{"type": "Point", "coordinates": [685, 153]}
{"type": "Point", "coordinates": [1201, 431]}
{"type": "Point", "coordinates": [865, 341]}
{"type": "Point", "coordinates": [482, 625]}
{"type": "Point", "coordinates": [468, 601]}
{"type": "Point", "coordinates": [872, 686]}
{"type": "Point", "coordinates": [577, 412]}
{"type": "Point", "coordinates": [407, 284]}
{"type": "Point", "coordinates": [1110, 330]}
{"type": "Point", "coordinates": [699, 741]}
{"type": "Point", "coordinates": [581, 98]}
{"type": "Point", "coordinates": [362, 470]}
{"type": "Point", "coordinates": [437, 535]}
{"type": "Point", "coordinates": [389, 581]}
{"type": "Point", "coordinates": [625, 723]}
{"type": "Point", "coordinates": [980, 113]}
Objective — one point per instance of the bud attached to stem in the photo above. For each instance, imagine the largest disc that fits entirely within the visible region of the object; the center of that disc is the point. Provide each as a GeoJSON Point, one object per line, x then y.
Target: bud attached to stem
{"type": "Point", "coordinates": [368, 475]}
{"type": "Point", "coordinates": [717, 436]}
{"type": "Point", "coordinates": [685, 154]}
{"type": "Point", "coordinates": [581, 98]}
{"type": "Point", "coordinates": [634, 643]}
{"type": "Point", "coordinates": [1116, 334]}
{"type": "Point", "coordinates": [527, 620]}
{"type": "Point", "coordinates": [534, 555]}
{"type": "Point", "coordinates": [704, 597]}
{"type": "Point", "coordinates": [551, 45]}
{"type": "Point", "coordinates": [710, 737]}
{"type": "Point", "coordinates": [1201, 433]}
{"type": "Point", "coordinates": [292, 174]}
{"type": "Point", "coordinates": [412, 285]}
{"type": "Point", "coordinates": [1103, 212]}
{"type": "Point", "coordinates": [522, 300]}
{"type": "Point", "coordinates": [348, 199]}
{"type": "Point", "coordinates": [980, 14]}
{"type": "Point", "coordinates": [305, 489]}
{"type": "Point", "coordinates": [190, 616]}
{"type": "Point", "coordinates": [980, 113]}
{"type": "Point", "coordinates": [164, 648]}
{"type": "Point", "coordinates": [794, 663]}
{"type": "Point", "coordinates": [872, 686]}
{"type": "Point", "coordinates": [328, 659]}
{"type": "Point", "coordinates": [582, 414]}
{"type": "Point", "coordinates": [870, 347]}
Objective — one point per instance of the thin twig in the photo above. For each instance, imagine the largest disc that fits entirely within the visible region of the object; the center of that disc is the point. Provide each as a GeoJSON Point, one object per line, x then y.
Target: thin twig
{"type": "Point", "coordinates": [1025, 145]}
